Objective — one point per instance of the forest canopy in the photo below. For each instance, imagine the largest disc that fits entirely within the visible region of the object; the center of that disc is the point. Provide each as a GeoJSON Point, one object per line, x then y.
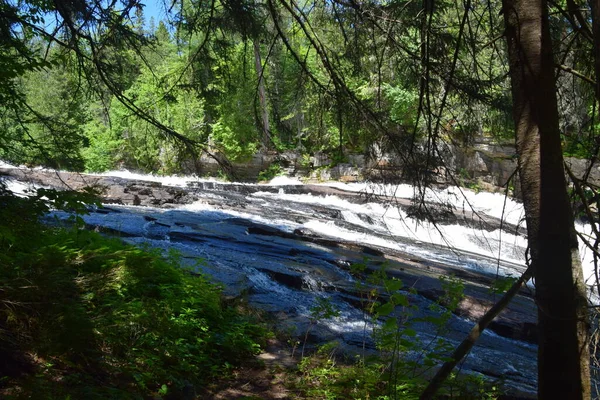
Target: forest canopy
{"type": "Point", "coordinates": [96, 85]}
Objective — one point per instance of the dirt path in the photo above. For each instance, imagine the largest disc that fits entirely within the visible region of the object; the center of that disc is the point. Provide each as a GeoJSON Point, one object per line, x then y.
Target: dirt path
{"type": "Point", "coordinates": [265, 381]}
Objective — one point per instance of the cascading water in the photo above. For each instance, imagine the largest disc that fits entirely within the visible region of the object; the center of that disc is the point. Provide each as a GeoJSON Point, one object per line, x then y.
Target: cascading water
{"type": "Point", "coordinates": [286, 244]}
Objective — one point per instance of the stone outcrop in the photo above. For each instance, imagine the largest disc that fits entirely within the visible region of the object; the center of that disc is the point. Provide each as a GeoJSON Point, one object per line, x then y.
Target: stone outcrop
{"type": "Point", "coordinates": [487, 163]}
{"type": "Point", "coordinates": [493, 164]}
{"type": "Point", "coordinates": [484, 164]}
{"type": "Point", "coordinates": [276, 268]}
{"type": "Point", "coordinates": [112, 190]}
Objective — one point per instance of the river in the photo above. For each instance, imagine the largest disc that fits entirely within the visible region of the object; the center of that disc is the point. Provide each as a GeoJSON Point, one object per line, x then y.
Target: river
{"type": "Point", "coordinates": [284, 245]}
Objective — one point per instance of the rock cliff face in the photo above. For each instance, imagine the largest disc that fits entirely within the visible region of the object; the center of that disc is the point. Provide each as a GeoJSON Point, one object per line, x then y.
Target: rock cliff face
{"type": "Point", "coordinates": [487, 165]}
{"type": "Point", "coordinates": [493, 164]}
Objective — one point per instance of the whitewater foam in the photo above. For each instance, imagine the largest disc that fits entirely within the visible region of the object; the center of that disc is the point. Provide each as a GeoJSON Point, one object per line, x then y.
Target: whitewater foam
{"type": "Point", "coordinates": [390, 220]}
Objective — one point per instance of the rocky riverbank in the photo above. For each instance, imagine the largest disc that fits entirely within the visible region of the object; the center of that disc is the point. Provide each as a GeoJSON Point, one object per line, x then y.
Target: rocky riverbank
{"type": "Point", "coordinates": [234, 228]}
{"type": "Point", "coordinates": [517, 322]}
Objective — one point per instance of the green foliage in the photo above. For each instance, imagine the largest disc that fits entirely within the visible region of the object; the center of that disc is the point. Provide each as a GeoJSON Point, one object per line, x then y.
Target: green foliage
{"type": "Point", "coordinates": [104, 146]}
{"type": "Point", "coordinates": [235, 147]}
{"type": "Point", "coordinates": [404, 360]}
{"type": "Point", "coordinates": [84, 307]}
{"type": "Point", "coordinates": [404, 105]}
{"type": "Point", "coordinates": [235, 131]}
{"type": "Point", "coordinates": [271, 172]}
{"type": "Point", "coordinates": [62, 103]}
{"type": "Point", "coordinates": [502, 284]}
{"type": "Point", "coordinates": [16, 58]}
{"type": "Point", "coordinates": [582, 144]}
{"type": "Point", "coordinates": [140, 144]}
{"type": "Point", "coordinates": [42, 124]}
{"type": "Point", "coordinates": [321, 377]}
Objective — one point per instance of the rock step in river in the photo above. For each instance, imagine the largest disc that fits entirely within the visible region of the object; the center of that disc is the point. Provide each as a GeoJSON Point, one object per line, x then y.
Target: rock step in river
{"type": "Point", "coordinates": [258, 241]}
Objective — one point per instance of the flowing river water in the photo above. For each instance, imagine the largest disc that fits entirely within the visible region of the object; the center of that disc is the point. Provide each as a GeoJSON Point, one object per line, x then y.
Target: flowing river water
{"type": "Point", "coordinates": [285, 245]}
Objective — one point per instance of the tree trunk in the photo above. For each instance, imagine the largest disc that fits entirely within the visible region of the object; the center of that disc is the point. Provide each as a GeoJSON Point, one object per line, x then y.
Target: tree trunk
{"type": "Point", "coordinates": [262, 97]}
{"type": "Point", "coordinates": [563, 355]}
{"type": "Point", "coordinates": [595, 4]}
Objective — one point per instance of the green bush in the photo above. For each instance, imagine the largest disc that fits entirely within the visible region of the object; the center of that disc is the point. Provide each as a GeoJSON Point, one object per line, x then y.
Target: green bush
{"type": "Point", "coordinates": [85, 316]}
{"type": "Point", "coordinates": [271, 172]}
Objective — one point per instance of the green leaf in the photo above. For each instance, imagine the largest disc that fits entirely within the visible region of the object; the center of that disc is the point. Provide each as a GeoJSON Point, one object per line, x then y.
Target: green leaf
{"type": "Point", "coordinates": [410, 332]}
{"type": "Point", "coordinates": [400, 299]}
{"type": "Point", "coordinates": [390, 323]}
{"type": "Point", "coordinates": [385, 309]}
{"type": "Point", "coordinates": [393, 285]}
{"type": "Point", "coordinates": [163, 390]}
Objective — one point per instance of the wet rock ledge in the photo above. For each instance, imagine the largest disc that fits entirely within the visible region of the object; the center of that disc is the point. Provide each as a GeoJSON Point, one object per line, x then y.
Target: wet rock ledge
{"type": "Point", "coordinates": [136, 192]}
{"type": "Point", "coordinates": [518, 321]}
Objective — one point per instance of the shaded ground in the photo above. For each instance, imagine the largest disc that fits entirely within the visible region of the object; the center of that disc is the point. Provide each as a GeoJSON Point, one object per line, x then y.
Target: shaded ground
{"type": "Point", "coordinates": [266, 380]}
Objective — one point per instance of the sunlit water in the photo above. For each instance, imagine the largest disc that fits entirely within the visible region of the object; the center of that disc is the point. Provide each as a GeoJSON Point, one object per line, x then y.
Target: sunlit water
{"type": "Point", "coordinates": [211, 231]}
{"type": "Point", "coordinates": [391, 225]}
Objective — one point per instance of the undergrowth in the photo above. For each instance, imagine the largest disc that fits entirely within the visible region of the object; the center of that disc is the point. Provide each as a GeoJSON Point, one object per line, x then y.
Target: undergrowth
{"type": "Point", "coordinates": [404, 361]}
{"type": "Point", "coordinates": [85, 316]}
{"type": "Point", "coordinates": [271, 172]}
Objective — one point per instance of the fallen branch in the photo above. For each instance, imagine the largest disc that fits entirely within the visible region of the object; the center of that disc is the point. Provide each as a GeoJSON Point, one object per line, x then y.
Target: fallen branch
{"type": "Point", "coordinates": [463, 349]}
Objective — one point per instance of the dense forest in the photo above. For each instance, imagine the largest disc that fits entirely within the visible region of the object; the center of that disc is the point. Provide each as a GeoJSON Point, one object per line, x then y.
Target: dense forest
{"type": "Point", "coordinates": [96, 85]}
{"type": "Point", "coordinates": [237, 79]}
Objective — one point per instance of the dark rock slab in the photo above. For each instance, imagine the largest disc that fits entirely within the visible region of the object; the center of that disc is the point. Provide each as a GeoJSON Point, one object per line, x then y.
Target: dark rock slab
{"type": "Point", "coordinates": [518, 321]}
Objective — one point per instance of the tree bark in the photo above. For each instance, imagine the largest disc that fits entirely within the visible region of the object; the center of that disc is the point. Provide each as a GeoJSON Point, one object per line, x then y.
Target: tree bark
{"type": "Point", "coordinates": [595, 5]}
{"type": "Point", "coordinates": [262, 97]}
{"type": "Point", "coordinates": [563, 355]}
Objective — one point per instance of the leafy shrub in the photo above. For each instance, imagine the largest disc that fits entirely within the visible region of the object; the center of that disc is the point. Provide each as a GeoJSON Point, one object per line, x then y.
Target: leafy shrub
{"type": "Point", "coordinates": [229, 141]}
{"type": "Point", "coordinates": [100, 155]}
{"type": "Point", "coordinates": [404, 361]}
{"type": "Point", "coordinates": [404, 105]}
{"type": "Point", "coordinates": [271, 172]}
{"type": "Point", "coordinates": [92, 317]}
